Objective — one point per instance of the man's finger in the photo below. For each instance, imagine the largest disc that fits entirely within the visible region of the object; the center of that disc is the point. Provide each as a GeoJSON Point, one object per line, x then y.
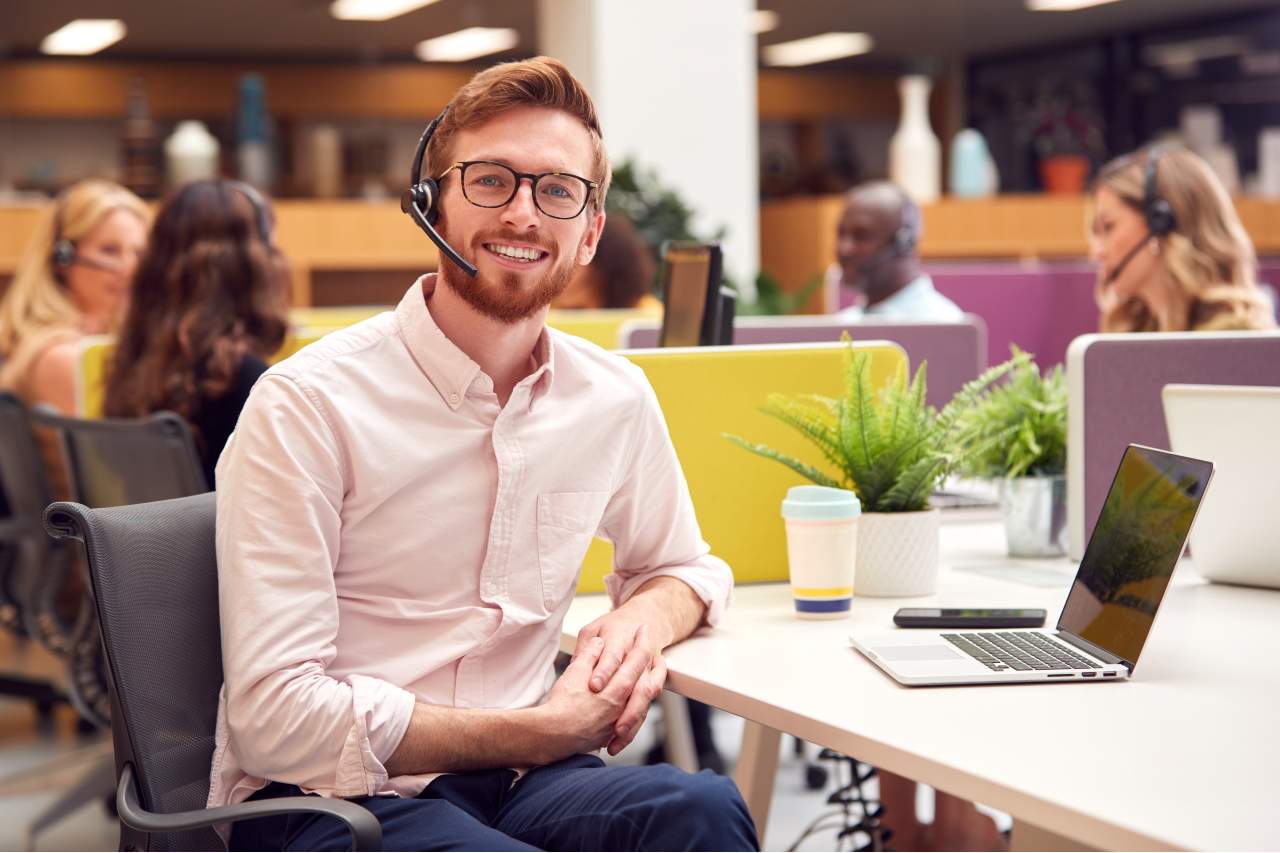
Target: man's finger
{"type": "Point", "coordinates": [633, 668]}
{"type": "Point", "coordinates": [586, 655]}
{"type": "Point", "coordinates": [588, 633]}
{"type": "Point", "coordinates": [637, 709]}
{"type": "Point", "coordinates": [616, 650]}
{"type": "Point", "coordinates": [648, 688]}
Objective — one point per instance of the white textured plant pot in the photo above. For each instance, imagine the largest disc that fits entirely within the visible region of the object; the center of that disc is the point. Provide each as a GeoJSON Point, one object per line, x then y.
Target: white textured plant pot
{"type": "Point", "coordinates": [897, 554]}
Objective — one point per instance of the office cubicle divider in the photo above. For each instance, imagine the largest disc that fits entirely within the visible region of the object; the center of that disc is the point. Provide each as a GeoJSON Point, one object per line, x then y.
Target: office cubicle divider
{"type": "Point", "coordinates": [708, 391]}
{"type": "Point", "coordinates": [96, 351]}
{"type": "Point", "coordinates": [1114, 386]}
{"type": "Point", "coordinates": [956, 352]}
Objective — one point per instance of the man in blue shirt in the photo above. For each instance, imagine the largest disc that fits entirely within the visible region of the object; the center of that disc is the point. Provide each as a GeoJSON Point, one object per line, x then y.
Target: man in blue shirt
{"type": "Point", "coordinates": [876, 255]}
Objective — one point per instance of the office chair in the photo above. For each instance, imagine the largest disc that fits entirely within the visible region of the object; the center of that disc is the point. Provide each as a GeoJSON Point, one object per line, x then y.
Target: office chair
{"type": "Point", "coordinates": [154, 579]}
{"type": "Point", "coordinates": [26, 553]}
{"type": "Point", "coordinates": [109, 462]}
{"type": "Point", "coordinates": [106, 462]}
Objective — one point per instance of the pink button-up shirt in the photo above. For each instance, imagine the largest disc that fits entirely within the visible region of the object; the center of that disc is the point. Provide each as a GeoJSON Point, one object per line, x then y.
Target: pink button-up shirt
{"type": "Point", "coordinates": [388, 533]}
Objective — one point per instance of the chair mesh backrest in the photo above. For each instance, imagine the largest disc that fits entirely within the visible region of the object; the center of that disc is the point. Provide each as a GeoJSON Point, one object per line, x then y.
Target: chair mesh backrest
{"type": "Point", "coordinates": [126, 461]}
{"type": "Point", "coordinates": [155, 581]}
{"type": "Point", "coordinates": [24, 493]}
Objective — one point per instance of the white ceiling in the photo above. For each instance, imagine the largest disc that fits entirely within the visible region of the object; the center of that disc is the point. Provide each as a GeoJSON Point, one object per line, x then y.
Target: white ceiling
{"type": "Point", "coordinates": [904, 30]}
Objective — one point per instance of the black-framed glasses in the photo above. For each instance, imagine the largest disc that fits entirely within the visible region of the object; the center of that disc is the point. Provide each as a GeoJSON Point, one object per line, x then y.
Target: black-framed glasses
{"type": "Point", "coordinates": [485, 183]}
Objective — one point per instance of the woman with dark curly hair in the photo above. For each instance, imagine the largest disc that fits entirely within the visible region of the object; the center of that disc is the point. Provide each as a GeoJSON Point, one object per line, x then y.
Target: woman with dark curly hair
{"type": "Point", "coordinates": [621, 274]}
{"type": "Point", "coordinates": [208, 308]}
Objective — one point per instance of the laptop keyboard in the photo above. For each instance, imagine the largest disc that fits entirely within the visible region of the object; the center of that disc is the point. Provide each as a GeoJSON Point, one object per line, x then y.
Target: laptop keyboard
{"type": "Point", "coordinates": [1020, 651]}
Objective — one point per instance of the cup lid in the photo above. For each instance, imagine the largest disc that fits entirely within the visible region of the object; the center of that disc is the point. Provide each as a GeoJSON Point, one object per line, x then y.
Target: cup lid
{"type": "Point", "coordinates": [817, 503]}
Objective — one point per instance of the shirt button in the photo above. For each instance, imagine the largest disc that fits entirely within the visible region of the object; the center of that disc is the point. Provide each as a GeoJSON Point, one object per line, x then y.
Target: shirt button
{"type": "Point", "coordinates": [454, 398]}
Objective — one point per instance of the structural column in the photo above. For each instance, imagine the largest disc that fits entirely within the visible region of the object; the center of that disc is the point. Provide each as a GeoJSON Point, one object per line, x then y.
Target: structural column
{"type": "Point", "coordinates": [675, 85]}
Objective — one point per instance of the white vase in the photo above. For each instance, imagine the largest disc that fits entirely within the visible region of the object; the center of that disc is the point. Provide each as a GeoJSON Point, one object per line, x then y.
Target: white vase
{"type": "Point", "coordinates": [915, 155]}
{"type": "Point", "coordinates": [190, 154]}
{"type": "Point", "coordinates": [972, 173]}
{"type": "Point", "coordinates": [897, 554]}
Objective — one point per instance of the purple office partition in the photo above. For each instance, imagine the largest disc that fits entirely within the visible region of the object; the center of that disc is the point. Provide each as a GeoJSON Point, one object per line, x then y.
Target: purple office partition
{"type": "Point", "coordinates": [956, 352]}
{"type": "Point", "coordinates": [1115, 384]}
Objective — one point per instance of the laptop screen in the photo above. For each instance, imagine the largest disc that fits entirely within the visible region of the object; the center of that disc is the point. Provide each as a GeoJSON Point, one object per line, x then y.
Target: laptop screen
{"type": "Point", "coordinates": [1139, 537]}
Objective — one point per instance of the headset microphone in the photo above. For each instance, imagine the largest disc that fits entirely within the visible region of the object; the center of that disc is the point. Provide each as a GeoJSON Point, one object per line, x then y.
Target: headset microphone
{"type": "Point", "coordinates": [1157, 212]}
{"type": "Point", "coordinates": [422, 197]}
{"type": "Point", "coordinates": [1129, 256]}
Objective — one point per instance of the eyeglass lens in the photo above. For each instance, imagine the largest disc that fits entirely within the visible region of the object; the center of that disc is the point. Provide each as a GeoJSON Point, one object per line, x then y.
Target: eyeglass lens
{"type": "Point", "coordinates": [493, 185]}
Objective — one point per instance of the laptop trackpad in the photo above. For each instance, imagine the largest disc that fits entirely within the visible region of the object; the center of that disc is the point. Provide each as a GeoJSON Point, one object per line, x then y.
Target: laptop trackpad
{"type": "Point", "coordinates": [931, 652]}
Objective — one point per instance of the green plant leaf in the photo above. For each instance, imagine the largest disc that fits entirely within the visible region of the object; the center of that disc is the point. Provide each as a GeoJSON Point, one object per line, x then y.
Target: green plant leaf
{"type": "Point", "coordinates": [806, 471]}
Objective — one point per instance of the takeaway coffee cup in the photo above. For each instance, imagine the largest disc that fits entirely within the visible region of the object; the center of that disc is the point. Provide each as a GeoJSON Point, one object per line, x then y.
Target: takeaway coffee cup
{"type": "Point", "coordinates": [822, 531]}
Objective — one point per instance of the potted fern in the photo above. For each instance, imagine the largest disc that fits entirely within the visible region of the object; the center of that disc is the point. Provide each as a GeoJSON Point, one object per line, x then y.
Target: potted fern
{"type": "Point", "coordinates": [1030, 413]}
{"type": "Point", "coordinates": [893, 450]}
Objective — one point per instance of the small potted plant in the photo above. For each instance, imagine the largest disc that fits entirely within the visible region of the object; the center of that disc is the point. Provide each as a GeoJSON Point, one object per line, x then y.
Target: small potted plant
{"type": "Point", "coordinates": [893, 450]}
{"type": "Point", "coordinates": [1029, 412]}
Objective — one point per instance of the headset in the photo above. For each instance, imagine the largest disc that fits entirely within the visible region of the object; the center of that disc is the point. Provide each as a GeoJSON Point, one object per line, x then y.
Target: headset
{"type": "Point", "coordinates": [63, 253]}
{"type": "Point", "coordinates": [902, 243]}
{"type": "Point", "coordinates": [261, 212]}
{"type": "Point", "coordinates": [1158, 213]}
{"type": "Point", "coordinates": [420, 200]}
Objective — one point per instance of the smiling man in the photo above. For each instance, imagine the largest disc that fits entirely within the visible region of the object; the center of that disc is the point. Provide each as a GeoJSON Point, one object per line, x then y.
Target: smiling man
{"type": "Point", "coordinates": [402, 512]}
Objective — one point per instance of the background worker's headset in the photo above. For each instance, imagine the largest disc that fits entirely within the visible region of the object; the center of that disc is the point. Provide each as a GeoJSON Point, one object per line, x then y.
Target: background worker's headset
{"type": "Point", "coordinates": [423, 195]}
{"type": "Point", "coordinates": [902, 243]}
{"type": "Point", "coordinates": [64, 252]}
{"type": "Point", "coordinates": [1158, 213]}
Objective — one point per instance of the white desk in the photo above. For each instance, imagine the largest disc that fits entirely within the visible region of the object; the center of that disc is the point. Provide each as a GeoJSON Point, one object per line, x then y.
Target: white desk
{"type": "Point", "coordinates": [1185, 755]}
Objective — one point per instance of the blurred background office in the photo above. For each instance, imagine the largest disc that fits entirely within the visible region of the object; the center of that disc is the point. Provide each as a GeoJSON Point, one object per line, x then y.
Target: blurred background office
{"type": "Point", "coordinates": [742, 121]}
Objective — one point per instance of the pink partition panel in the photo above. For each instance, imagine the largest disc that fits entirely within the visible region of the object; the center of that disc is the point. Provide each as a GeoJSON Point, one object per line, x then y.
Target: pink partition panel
{"type": "Point", "coordinates": [1122, 381]}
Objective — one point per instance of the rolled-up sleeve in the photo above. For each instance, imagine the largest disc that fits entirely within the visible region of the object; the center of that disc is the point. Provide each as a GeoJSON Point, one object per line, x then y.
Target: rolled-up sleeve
{"type": "Point", "coordinates": [651, 521]}
{"type": "Point", "coordinates": [281, 482]}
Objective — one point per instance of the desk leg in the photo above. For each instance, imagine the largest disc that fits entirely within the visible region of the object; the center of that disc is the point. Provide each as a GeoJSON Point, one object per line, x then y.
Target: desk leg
{"type": "Point", "coordinates": [756, 771]}
{"type": "Point", "coordinates": [675, 720]}
{"type": "Point", "coordinates": [1028, 836]}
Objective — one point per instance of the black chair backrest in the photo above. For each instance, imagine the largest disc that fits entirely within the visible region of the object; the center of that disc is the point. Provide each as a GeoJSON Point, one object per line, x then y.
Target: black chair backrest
{"type": "Point", "coordinates": [26, 553]}
{"type": "Point", "coordinates": [155, 581]}
{"type": "Point", "coordinates": [112, 462]}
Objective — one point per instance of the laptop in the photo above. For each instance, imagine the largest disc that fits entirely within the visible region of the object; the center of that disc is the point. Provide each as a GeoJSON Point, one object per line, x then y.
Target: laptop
{"type": "Point", "coordinates": [1141, 532]}
{"type": "Point", "coordinates": [1236, 539]}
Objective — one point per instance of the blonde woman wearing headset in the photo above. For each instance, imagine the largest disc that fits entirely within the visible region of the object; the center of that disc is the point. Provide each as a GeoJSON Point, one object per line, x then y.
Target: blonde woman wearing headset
{"type": "Point", "coordinates": [73, 280]}
{"type": "Point", "coordinates": [1172, 255]}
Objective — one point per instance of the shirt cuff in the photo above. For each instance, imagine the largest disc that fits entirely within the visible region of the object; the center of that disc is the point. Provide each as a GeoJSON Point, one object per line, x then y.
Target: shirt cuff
{"type": "Point", "coordinates": [382, 714]}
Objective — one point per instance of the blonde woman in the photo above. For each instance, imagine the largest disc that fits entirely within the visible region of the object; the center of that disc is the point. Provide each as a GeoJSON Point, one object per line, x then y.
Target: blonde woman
{"type": "Point", "coordinates": [74, 280]}
{"type": "Point", "coordinates": [1171, 252]}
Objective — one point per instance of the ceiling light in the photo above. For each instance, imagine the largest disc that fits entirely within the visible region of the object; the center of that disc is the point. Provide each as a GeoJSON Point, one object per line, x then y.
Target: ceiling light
{"type": "Point", "coordinates": [467, 44]}
{"type": "Point", "coordinates": [374, 10]}
{"type": "Point", "coordinates": [1064, 5]}
{"type": "Point", "coordinates": [84, 36]}
{"type": "Point", "coordinates": [823, 48]}
{"type": "Point", "coordinates": [763, 21]}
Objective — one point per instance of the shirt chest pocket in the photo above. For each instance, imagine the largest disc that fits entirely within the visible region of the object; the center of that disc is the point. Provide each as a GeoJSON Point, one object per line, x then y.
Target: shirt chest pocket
{"type": "Point", "coordinates": [567, 521]}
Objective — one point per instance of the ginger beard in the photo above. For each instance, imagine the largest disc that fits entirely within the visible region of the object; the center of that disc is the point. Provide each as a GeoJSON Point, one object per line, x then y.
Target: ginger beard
{"type": "Point", "coordinates": [509, 297]}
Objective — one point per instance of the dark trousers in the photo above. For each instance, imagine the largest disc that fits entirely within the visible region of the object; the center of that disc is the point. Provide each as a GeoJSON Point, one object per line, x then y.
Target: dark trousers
{"type": "Point", "coordinates": [575, 804]}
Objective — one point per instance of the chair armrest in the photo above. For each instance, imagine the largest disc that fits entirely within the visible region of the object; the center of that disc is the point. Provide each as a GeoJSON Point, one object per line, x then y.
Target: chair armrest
{"type": "Point", "coordinates": [366, 832]}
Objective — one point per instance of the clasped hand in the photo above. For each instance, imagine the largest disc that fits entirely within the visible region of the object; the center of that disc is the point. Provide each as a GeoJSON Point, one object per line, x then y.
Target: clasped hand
{"type": "Point", "coordinates": [604, 695]}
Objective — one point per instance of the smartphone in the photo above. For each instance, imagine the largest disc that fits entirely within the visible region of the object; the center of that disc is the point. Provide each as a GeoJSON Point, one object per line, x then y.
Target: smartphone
{"type": "Point", "coordinates": [970, 617]}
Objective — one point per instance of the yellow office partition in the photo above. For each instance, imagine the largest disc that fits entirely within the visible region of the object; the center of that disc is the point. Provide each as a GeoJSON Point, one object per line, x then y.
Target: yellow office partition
{"type": "Point", "coordinates": [96, 351]}
{"type": "Point", "coordinates": [335, 317]}
{"type": "Point", "coordinates": [600, 326]}
{"type": "Point", "coordinates": [709, 391]}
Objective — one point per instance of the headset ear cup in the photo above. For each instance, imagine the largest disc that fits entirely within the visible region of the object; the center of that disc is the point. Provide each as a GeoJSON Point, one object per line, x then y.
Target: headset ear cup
{"type": "Point", "coordinates": [64, 253]}
{"type": "Point", "coordinates": [1160, 218]}
{"type": "Point", "coordinates": [430, 197]}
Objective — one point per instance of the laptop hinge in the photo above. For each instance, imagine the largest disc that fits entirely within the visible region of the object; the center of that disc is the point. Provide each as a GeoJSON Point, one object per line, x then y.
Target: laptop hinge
{"type": "Point", "coordinates": [1088, 647]}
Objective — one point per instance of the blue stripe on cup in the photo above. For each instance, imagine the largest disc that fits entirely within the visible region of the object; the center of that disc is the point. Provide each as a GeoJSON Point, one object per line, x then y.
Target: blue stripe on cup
{"type": "Point", "coordinates": [835, 605]}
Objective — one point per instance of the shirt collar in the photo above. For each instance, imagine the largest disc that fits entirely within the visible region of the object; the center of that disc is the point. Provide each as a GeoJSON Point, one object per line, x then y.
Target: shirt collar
{"type": "Point", "coordinates": [450, 370]}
